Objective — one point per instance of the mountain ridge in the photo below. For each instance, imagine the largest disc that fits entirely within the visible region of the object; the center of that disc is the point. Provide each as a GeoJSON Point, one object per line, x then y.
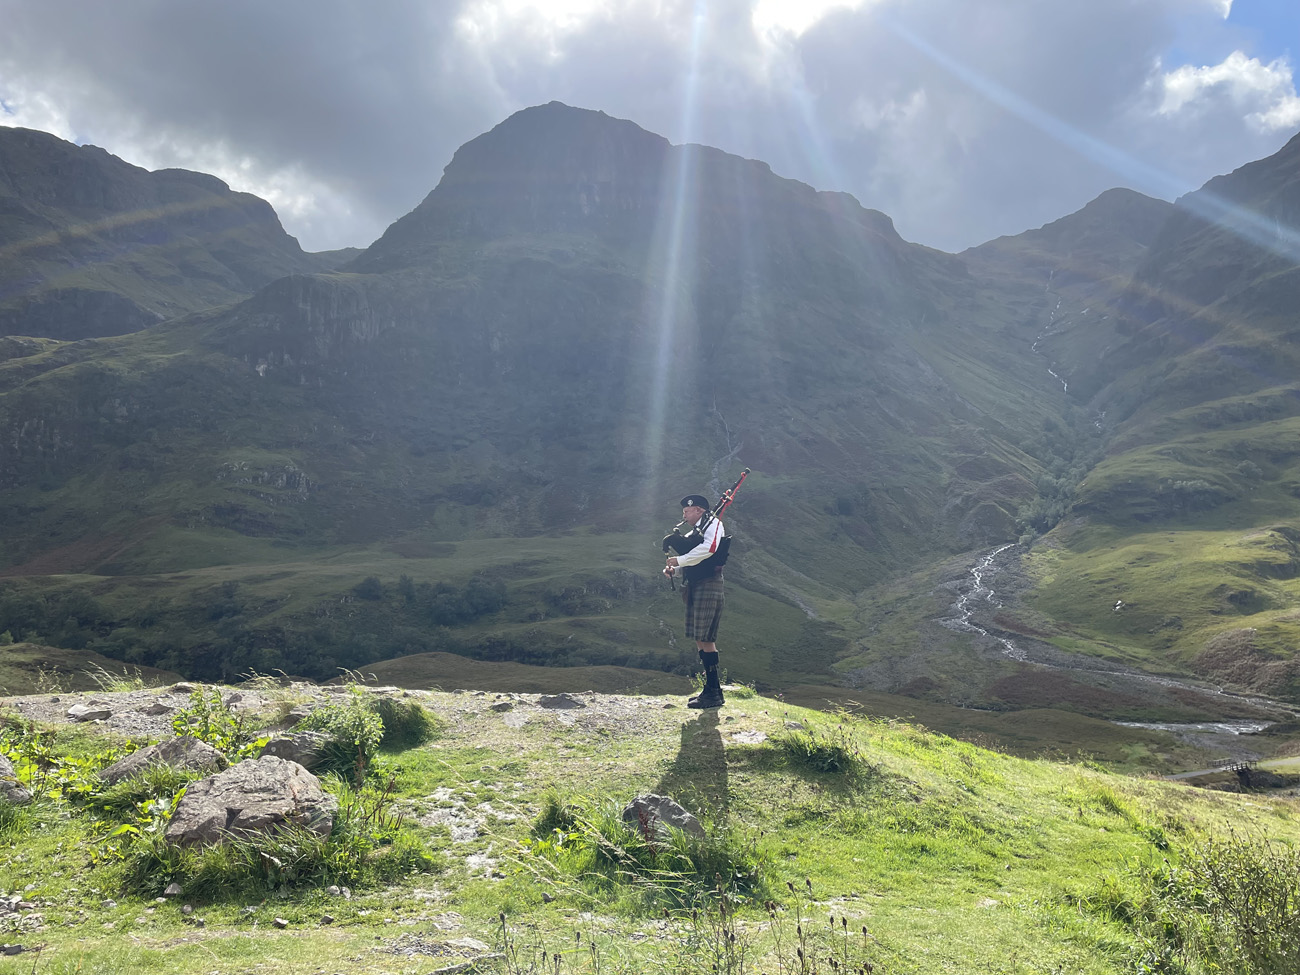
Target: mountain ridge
{"type": "Point", "coordinates": [94, 246]}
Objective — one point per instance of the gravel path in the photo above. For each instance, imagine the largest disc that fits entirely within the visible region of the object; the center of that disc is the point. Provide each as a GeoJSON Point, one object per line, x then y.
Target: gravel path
{"type": "Point", "coordinates": [148, 713]}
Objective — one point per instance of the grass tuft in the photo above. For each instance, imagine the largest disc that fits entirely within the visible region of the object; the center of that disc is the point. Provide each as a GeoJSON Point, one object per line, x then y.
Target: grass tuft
{"type": "Point", "coordinates": [593, 843]}
{"type": "Point", "coordinates": [407, 724]}
{"type": "Point", "coordinates": [821, 752]}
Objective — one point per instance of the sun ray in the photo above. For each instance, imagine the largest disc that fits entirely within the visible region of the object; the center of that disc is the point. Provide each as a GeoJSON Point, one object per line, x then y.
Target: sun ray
{"type": "Point", "coordinates": [670, 262]}
{"type": "Point", "coordinates": [1279, 238]}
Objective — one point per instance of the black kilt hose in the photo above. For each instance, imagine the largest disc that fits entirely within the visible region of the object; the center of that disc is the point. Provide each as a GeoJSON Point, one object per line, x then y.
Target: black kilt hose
{"type": "Point", "coordinates": [703, 608]}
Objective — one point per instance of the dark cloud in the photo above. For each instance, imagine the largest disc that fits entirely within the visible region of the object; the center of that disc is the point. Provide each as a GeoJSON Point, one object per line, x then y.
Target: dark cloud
{"type": "Point", "coordinates": [962, 121]}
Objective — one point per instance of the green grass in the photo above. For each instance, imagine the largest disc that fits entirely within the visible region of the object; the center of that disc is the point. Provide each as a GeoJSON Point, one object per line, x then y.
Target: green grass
{"type": "Point", "coordinates": [1200, 601]}
{"type": "Point", "coordinates": [955, 858]}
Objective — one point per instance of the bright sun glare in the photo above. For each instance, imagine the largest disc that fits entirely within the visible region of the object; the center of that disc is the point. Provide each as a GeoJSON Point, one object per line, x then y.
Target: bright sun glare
{"type": "Point", "coordinates": [795, 16]}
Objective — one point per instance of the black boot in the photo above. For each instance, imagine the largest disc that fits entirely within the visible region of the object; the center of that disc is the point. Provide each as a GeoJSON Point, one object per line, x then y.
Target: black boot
{"type": "Point", "coordinates": [705, 660]}
{"type": "Point", "coordinates": [711, 696]}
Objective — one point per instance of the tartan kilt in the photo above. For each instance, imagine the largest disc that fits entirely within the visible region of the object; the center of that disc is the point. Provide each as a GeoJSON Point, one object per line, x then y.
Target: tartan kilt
{"type": "Point", "coordinates": [703, 609]}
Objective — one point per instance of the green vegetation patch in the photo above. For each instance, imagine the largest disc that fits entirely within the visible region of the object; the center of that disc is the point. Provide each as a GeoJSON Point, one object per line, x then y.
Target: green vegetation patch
{"type": "Point", "coordinates": [1218, 603]}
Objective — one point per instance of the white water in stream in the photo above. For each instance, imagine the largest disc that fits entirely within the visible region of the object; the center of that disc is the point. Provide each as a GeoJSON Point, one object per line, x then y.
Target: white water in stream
{"type": "Point", "coordinates": [982, 592]}
{"type": "Point", "coordinates": [1065, 386]}
{"type": "Point", "coordinates": [979, 591]}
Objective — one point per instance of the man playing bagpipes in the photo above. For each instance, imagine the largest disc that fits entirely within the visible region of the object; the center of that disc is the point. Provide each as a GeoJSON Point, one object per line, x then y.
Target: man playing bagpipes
{"type": "Point", "coordinates": [701, 545]}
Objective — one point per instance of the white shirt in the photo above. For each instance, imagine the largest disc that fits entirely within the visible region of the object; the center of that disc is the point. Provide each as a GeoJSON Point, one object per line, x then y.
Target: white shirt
{"type": "Point", "coordinates": [713, 536]}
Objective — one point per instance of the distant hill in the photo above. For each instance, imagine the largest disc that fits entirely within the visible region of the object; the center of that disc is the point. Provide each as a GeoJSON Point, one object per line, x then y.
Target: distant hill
{"type": "Point", "coordinates": [93, 246]}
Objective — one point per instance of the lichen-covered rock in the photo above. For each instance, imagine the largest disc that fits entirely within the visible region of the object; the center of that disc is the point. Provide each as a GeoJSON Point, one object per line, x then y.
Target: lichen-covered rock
{"type": "Point", "coordinates": [307, 748]}
{"type": "Point", "coordinates": [259, 796]}
{"type": "Point", "coordinates": [183, 752]}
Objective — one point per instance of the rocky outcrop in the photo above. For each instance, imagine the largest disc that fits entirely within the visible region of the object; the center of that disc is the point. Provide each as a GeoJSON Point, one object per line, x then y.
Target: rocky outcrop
{"type": "Point", "coordinates": [184, 752]}
{"type": "Point", "coordinates": [257, 796]}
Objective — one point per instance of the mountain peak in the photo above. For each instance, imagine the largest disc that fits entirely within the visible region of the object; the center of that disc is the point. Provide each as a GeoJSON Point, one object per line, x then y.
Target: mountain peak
{"type": "Point", "coordinates": [548, 168]}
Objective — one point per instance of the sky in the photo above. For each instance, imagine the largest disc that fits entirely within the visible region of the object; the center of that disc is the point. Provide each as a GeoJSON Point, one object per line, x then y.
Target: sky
{"type": "Point", "coordinates": [962, 120]}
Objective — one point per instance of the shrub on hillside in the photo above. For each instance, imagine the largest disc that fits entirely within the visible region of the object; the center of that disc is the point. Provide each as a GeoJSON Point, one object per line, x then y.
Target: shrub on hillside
{"type": "Point", "coordinates": [207, 717]}
{"type": "Point", "coordinates": [1231, 905]}
{"type": "Point", "coordinates": [358, 727]}
{"type": "Point", "coordinates": [354, 729]}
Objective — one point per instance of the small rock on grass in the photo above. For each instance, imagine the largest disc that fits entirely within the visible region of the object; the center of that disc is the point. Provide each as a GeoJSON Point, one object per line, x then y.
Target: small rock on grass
{"type": "Point", "coordinates": [83, 712]}
{"type": "Point", "coordinates": [280, 922]}
{"type": "Point", "coordinates": [560, 701]}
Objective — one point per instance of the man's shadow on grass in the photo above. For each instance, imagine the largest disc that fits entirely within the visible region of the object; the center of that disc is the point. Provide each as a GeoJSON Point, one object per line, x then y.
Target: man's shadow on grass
{"type": "Point", "coordinates": [697, 779]}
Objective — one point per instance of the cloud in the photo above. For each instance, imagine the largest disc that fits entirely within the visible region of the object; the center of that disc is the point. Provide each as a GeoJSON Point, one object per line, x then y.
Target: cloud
{"type": "Point", "coordinates": [1262, 94]}
{"type": "Point", "coordinates": [992, 118]}
{"type": "Point", "coordinates": [33, 110]}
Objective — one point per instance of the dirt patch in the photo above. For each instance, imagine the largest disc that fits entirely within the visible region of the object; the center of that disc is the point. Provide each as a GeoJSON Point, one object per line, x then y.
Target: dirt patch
{"type": "Point", "coordinates": [83, 555]}
{"type": "Point", "coordinates": [1042, 689]}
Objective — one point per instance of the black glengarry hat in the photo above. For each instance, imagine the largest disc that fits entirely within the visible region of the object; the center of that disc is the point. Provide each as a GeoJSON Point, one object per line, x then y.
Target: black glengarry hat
{"type": "Point", "coordinates": [696, 501]}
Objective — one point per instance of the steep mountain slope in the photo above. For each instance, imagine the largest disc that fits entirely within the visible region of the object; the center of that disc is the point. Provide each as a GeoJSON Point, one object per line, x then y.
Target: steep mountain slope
{"type": "Point", "coordinates": [1182, 548]}
{"type": "Point", "coordinates": [92, 246]}
{"type": "Point", "coordinates": [580, 322]}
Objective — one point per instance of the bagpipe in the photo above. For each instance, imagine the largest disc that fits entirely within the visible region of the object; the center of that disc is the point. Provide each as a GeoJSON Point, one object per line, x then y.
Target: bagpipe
{"type": "Point", "coordinates": [685, 537]}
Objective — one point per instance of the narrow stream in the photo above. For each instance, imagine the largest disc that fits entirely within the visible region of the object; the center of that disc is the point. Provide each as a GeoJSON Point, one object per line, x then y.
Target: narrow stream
{"type": "Point", "coordinates": [1205, 727]}
{"type": "Point", "coordinates": [1065, 386]}
{"type": "Point", "coordinates": [982, 592]}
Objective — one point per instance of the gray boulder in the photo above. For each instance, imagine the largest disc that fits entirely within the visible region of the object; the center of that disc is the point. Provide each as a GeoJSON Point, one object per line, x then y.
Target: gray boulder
{"type": "Point", "coordinates": [307, 748]}
{"type": "Point", "coordinates": [559, 701]}
{"type": "Point", "coordinates": [657, 813]}
{"type": "Point", "coordinates": [260, 796]}
{"type": "Point", "coordinates": [297, 714]}
{"type": "Point", "coordinates": [184, 752]}
{"type": "Point", "coordinates": [11, 790]}
{"type": "Point", "coordinates": [94, 711]}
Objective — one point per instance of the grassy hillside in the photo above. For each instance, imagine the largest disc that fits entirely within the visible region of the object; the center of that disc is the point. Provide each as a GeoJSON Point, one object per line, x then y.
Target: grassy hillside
{"type": "Point", "coordinates": [29, 668]}
{"type": "Point", "coordinates": [1174, 329]}
{"type": "Point", "coordinates": [866, 841]}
